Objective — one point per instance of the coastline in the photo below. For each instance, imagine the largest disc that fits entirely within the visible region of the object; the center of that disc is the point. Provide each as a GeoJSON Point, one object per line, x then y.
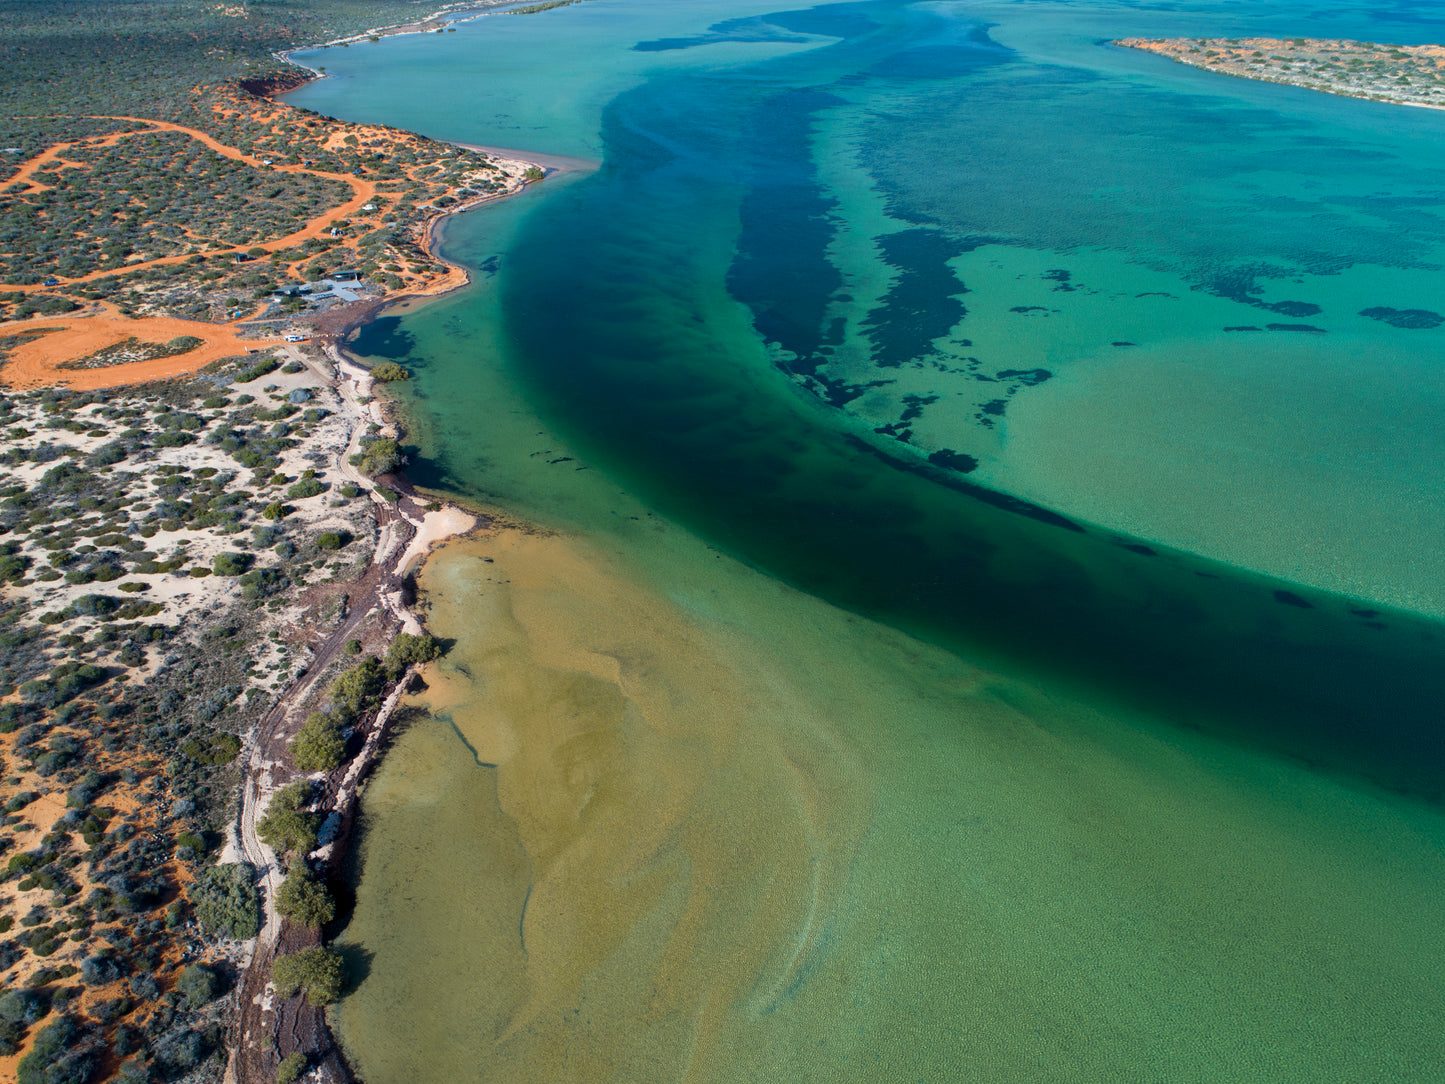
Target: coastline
{"type": "Point", "coordinates": [410, 529]}
{"type": "Point", "coordinates": [455, 12]}
{"type": "Point", "coordinates": [407, 532]}
{"type": "Point", "coordinates": [1244, 58]}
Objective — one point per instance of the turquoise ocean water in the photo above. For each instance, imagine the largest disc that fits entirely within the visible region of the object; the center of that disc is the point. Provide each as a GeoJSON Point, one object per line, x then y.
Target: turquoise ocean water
{"type": "Point", "coordinates": [1053, 428]}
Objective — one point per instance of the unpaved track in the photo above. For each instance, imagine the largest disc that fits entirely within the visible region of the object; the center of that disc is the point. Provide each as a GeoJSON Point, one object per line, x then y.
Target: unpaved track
{"type": "Point", "coordinates": [36, 364]}
{"type": "Point", "coordinates": [364, 193]}
{"type": "Point", "coordinates": [291, 1023]}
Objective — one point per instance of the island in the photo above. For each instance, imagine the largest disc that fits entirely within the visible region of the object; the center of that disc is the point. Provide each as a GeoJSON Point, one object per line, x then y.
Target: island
{"type": "Point", "coordinates": [1399, 74]}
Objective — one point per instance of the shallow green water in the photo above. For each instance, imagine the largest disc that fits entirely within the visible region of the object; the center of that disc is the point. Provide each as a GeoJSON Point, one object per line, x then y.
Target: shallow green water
{"type": "Point", "coordinates": [688, 822]}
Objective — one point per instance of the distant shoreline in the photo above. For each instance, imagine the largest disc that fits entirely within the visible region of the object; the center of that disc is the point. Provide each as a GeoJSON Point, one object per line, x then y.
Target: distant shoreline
{"type": "Point", "coordinates": [1347, 69]}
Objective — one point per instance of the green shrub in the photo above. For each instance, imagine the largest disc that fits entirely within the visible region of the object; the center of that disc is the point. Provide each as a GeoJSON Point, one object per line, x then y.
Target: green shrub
{"type": "Point", "coordinates": [94, 606]}
{"type": "Point", "coordinates": [285, 828]}
{"type": "Point", "coordinates": [13, 566]}
{"type": "Point", "coordinates": [133, 586]}
{"type": "Point", "coordinates": [318, 746]}
{"type": "Point", "coordinates": [332, 540]}
{"type": "Point", "coordinates": [353, 690]}
{"type": "Point", "coordinates": [226, 901]}
{"type": "Point", "coordinates": [213, 748]}
{"type": "Point", "coordinates": [198, 985]}
{"type": "Point", "coordinates": [303, 899]}
{"type": "Point", "coordinates": [291, 1068]}
{"type": "Point", "coordinates": [37, 691]}
{"type": "Point", "coordinates": [389, 371]}
{"type": "Point", "coordinates": [275, 510]}
{"type": "Point", "coordinates": [55, 1058]}
{"type": "Point", "coordinates": [380, 456]}
{"type": "Point", "coordinates": [316, 972]}
{"type": "Point", "coordinates": [260, 369]}
{"type": "Point", "coordinates": [307, 487]}
{"type": "Point", "coordinates": [231, 564]}
{"type": "Point", "coordinates": [22, 1006]}
{"type": "Point", "coordinates": [261, 582]}
{"type": "Point", "coordinates": [407, 649]}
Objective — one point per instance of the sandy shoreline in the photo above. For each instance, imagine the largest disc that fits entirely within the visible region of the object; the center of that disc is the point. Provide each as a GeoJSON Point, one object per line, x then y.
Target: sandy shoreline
{"type": "Point", "coordinates": [407, 532]}
{"type": "Point", "coordinates": [550, 163]}
{"type": "Point", "coordinates": [410, 531]}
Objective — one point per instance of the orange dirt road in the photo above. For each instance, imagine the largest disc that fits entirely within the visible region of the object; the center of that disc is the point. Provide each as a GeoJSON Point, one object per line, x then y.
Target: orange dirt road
{"type": "Point", "coordinates": [365, 192]}
{"type": "Point", "coordinates": [36, 364]}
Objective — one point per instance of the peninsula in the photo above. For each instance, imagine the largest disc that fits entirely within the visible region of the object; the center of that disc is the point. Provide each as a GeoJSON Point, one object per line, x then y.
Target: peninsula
{"type": "Point", "coordinates": [1399, 74]}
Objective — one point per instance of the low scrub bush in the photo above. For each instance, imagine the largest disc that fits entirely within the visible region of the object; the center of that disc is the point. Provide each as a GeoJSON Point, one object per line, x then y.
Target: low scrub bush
{"type": "Point", "coordinates": [260, 369]}
{"type": "Point", "coordinates": [315, 972]}
{"type": "Point", "coordinates": [388, 372]}
{"type": "Point", "coordinates": [226, 901]}
{"type": "Point", "coordinates": [319, 746]}
{"type": "Point", "coordinates": [231, 564]}
{"type": "Point", "coordinates": [303, 899]}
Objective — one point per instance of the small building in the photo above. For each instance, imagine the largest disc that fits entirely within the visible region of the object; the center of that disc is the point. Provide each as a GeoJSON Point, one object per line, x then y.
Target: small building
{"type": "Point", "coordinates": [346, 276]}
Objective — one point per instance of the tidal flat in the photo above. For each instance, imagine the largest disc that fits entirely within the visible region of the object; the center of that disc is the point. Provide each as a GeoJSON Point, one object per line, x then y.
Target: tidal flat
{"type": "Point", "coordinates": [635, 841]}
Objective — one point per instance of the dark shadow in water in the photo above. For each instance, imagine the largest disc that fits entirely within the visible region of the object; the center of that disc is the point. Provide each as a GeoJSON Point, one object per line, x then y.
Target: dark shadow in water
{"type": "Point", "coordinates": [478, 761]}
{"type": "Point", "coordinates": [356, 961]}
{"type": "Point", "coordinates": [385, 337]}
{"type": "Point", "coordinates": [609, 341]}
